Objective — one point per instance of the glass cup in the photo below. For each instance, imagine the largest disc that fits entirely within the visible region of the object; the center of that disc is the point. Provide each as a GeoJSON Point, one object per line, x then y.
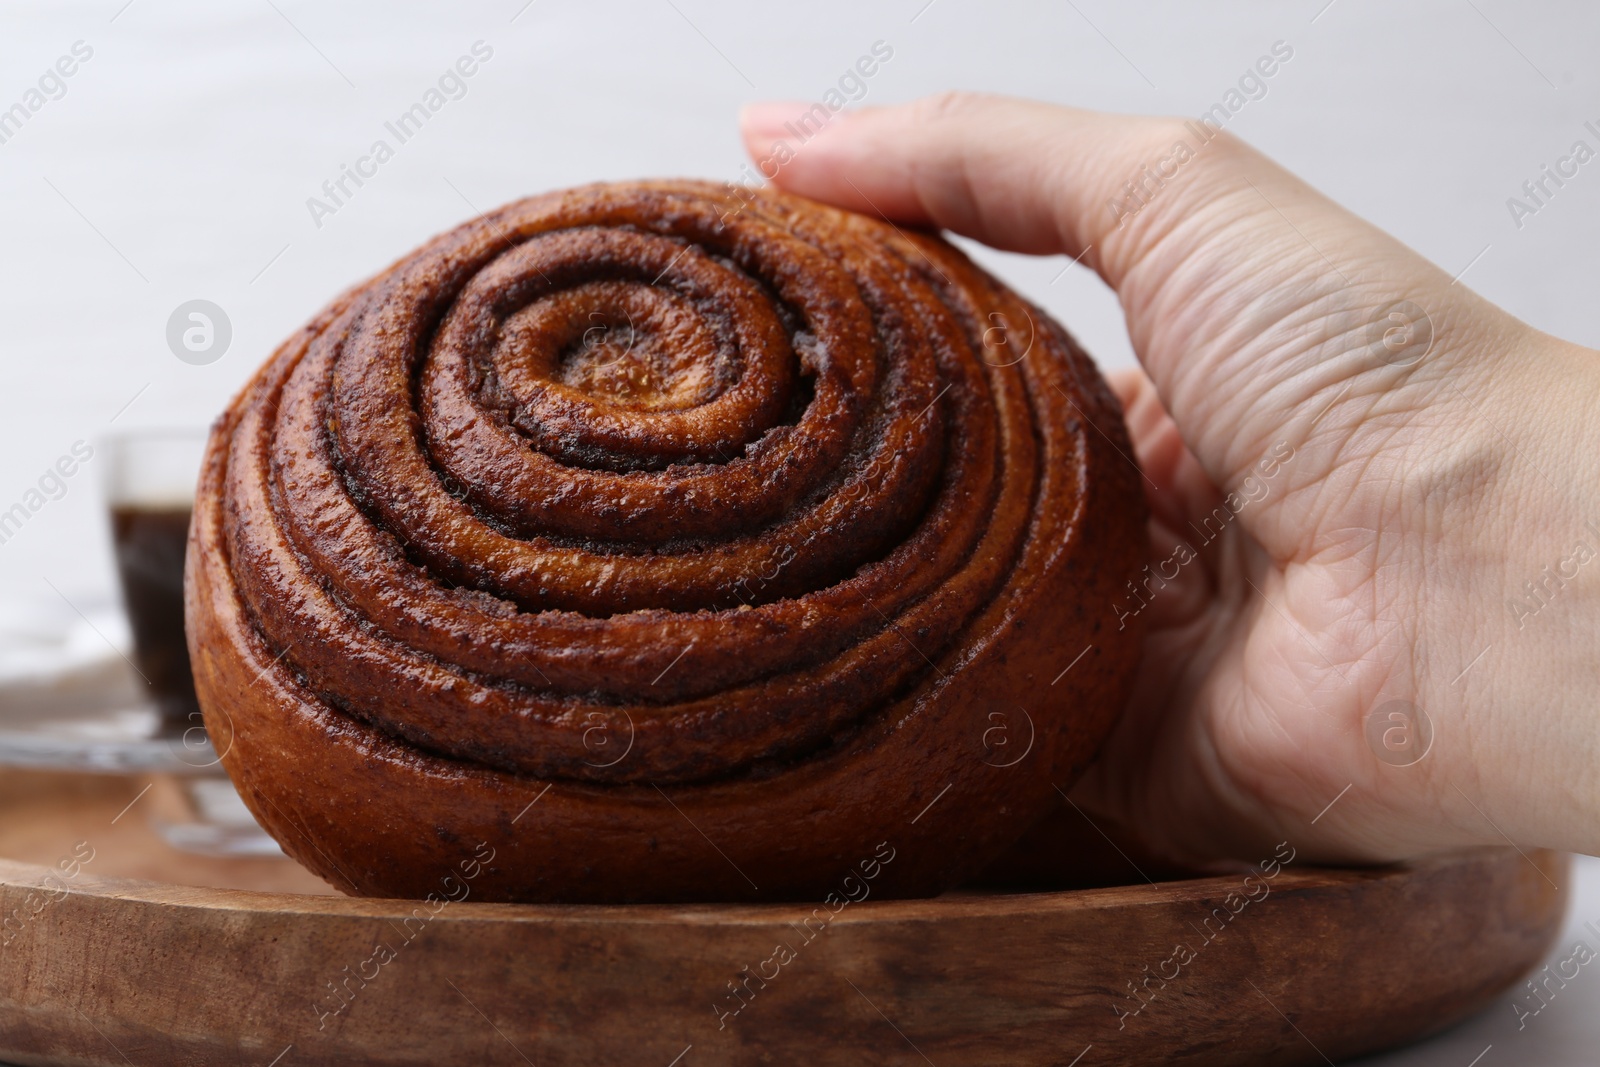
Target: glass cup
{"type": "Point", "coordinates": [150, 485]}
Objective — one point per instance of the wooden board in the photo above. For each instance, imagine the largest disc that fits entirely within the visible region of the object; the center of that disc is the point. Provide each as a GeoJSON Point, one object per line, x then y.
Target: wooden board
{"type": "Point", "coordinates": [193, 966]}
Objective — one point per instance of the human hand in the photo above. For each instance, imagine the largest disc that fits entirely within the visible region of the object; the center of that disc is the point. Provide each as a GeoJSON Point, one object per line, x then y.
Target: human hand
{"type": "Point", "coordinates": [1363, 466]}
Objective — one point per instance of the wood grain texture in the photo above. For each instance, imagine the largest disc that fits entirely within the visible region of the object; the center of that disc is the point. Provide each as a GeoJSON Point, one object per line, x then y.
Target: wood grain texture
{"type": "Point", "coordinates": [116, 972]}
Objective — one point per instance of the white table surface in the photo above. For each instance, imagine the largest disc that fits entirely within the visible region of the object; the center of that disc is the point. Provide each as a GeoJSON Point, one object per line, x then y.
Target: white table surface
{"type": "Point", "coordinates": [178, 163]}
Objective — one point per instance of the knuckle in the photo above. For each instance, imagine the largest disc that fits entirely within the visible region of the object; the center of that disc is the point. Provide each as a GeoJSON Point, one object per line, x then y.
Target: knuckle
{"type": "Point", "coordinates": [952, 103]}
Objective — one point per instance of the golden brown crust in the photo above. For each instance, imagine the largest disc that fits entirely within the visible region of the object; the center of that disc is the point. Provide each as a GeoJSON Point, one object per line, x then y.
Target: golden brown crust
{"type": "Point", "coordinates": [703, 523]}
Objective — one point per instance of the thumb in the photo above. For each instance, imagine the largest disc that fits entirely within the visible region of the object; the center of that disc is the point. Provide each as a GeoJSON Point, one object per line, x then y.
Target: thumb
{"type": "Point", "coordinates": [1265, 313]}
{"type": "Point", "coordinates": [1015, 174]}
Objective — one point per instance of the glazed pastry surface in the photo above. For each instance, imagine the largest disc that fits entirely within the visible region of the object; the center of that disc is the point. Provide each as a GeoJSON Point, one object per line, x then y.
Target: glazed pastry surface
{"type": "Point", "coordinates": [674, 542]}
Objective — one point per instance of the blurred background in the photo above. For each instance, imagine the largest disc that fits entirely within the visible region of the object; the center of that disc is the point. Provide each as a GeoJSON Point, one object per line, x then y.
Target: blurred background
{"type": "Point", "coordinates": [179, 159]}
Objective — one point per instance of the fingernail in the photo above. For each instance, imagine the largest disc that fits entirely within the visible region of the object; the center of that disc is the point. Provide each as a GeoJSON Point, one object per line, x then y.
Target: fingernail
{"type": "Point", "coordinates": [763, 123]}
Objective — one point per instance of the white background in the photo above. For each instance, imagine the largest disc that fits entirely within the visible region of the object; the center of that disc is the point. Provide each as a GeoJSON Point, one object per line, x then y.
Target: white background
{"type": "Point", "coordinates": [183, 152]}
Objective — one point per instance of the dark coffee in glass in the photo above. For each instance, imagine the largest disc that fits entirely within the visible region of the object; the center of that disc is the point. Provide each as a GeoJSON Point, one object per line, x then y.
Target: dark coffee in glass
{"type": "Point", "coordinates": [151, 494]}
{"type": "Point", "coordinates": [149, 543]}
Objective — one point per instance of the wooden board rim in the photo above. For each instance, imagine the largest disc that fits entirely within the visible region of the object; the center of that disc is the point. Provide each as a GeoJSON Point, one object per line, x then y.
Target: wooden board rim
{"type": "Point", "coordinates": [197, 975]}
{"type": "Point", "coordinates": [966, 904]}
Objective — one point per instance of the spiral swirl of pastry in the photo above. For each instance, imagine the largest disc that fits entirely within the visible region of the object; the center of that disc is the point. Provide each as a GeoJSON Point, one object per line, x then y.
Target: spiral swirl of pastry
{"type": "Point", "coordinates": [707, 513]}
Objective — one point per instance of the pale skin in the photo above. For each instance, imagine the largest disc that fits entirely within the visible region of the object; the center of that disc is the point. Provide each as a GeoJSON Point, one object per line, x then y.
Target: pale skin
{"type": "Point", "coordinates": [1444, 455]}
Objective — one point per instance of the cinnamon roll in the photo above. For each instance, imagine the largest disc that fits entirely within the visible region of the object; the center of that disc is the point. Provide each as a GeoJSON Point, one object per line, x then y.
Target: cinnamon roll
{"type": "Point", "coordinates": [664, 542]}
